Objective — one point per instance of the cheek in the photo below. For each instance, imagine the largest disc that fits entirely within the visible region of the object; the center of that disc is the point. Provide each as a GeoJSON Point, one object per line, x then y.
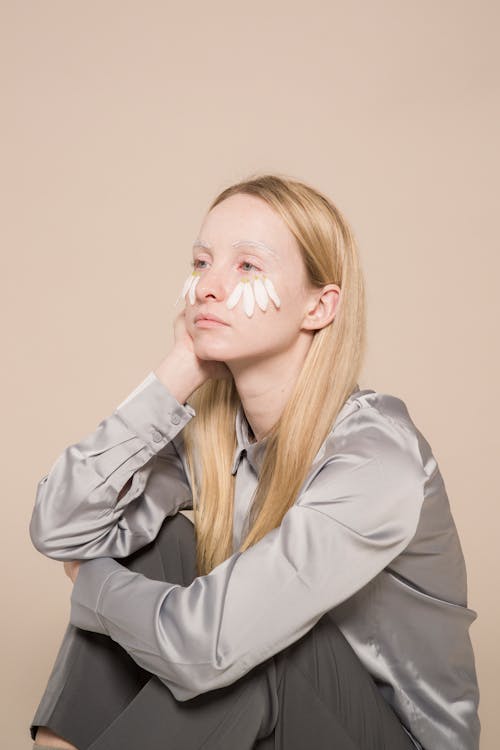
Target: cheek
{"type": "Point", "coordinates": [251, 294]}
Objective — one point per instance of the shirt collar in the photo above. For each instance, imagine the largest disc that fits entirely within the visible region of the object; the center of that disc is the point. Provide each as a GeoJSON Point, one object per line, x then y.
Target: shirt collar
{"type": "Point", "coordinates": [254, 451]}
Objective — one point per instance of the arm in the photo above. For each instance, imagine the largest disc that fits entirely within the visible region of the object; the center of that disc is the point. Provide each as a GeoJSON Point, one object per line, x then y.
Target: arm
{"type": "Point", "coordinates": [109, 493]}
{"type": "Point", "coordinates": [359, 512]}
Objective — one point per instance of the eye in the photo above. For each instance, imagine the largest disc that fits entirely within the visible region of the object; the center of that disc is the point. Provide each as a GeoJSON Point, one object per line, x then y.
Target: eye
{"type": "Point", "coordinates": [247, 263]}
{"type": "Point", "coordinates": [195, 264]}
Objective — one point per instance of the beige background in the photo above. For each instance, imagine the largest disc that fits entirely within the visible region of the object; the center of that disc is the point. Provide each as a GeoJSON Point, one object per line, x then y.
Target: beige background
{"type": "Point", "coordinates": [122, 120]}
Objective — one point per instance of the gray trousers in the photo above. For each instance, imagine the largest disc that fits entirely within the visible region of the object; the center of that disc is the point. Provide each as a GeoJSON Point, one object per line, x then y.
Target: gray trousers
{"type": "Point", "coordinates": [313, 694]}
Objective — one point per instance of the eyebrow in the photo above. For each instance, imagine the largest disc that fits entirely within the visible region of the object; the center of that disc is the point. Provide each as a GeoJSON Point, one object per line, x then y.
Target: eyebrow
{"type": "Point", "coordinates": [238, 243]}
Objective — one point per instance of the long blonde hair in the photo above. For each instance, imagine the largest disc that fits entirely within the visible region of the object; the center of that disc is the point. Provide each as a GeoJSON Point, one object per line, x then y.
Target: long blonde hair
{"type": "Point", "coordinates": [329, 374]}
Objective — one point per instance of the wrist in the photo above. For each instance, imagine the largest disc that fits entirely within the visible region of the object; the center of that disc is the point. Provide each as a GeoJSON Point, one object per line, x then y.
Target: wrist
{"type": "Point", "coordinates": [177, 374]}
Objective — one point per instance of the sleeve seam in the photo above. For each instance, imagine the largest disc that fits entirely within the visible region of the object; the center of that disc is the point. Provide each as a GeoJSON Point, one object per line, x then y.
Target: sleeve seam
{"type": "Point", "coordinates": [100, 594]}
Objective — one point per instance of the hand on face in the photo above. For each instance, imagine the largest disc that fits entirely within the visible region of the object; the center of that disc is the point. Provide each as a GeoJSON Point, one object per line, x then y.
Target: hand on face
{"type": "Point", "coordinates": [184, 343]}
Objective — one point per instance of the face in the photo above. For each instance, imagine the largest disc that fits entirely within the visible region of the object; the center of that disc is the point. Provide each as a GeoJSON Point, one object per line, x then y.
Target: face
{"type": "Point", "coordinates": [247, 271]}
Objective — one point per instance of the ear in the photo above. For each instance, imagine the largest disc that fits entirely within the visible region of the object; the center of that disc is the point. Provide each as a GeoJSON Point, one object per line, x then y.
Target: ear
{"type": "Point", "coordinates": [322, 307]}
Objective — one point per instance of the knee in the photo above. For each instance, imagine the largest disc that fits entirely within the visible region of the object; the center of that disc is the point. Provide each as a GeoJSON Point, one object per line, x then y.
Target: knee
{"type": "Point", "coordinates": [170, 556]}
{"type": "Point", "coordinates": [176, 545]}
{"type": "Point", "coordinates": [177, 527]}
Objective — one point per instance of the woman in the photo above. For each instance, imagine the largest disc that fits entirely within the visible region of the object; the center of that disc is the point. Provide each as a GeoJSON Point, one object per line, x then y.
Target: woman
{"type": "Point", "coordinates": [320, 599]}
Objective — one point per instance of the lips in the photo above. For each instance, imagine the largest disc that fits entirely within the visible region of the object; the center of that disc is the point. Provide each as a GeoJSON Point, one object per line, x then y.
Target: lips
{"type": "Point", "coordinates": [209, 316]}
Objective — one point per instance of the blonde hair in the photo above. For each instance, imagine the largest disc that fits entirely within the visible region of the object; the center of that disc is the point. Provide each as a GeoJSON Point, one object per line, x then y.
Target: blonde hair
{"type": "Point", "coordinates": [329, 374]}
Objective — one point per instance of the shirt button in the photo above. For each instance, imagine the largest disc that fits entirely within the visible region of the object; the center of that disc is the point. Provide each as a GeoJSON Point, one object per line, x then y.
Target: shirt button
{"type": "Point", "coordinates": [157, 436]}
{"type": "Point", "coordinates": [175, 418]}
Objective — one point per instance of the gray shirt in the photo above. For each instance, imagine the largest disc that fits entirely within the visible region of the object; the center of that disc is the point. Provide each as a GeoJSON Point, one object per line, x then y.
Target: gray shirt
{"type": "Point", "coordinates": [370, 540]}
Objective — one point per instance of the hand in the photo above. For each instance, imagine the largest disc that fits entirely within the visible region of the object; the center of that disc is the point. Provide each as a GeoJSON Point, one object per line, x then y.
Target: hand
{"type": "Point", "coordinates": [206, 368]}
{"type": "Point", "coordinates": [71, 568]}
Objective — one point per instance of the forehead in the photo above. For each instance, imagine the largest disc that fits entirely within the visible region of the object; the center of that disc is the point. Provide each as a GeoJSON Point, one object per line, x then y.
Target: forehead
{"type": "Point", "coordinates": [247, 220]}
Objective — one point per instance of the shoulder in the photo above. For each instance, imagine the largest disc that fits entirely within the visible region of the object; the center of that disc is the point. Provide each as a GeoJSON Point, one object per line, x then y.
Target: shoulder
{"type": "Point", "coordinates": [373, 404]}
{"type": "Point", "coordinates": [371, 475]}
{"type": "Point", "coordinates": [376, 426]}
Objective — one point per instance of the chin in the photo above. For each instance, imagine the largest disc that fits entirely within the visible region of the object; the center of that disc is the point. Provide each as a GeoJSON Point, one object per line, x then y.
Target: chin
{"type": "Point", "coordinates": [209, 350]}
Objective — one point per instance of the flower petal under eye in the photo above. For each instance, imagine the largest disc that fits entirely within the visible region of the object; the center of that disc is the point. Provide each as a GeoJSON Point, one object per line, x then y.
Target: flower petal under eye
{"type": "Point", "coordinates": [235, 295]}
{"type": "Point", "coordinates": [248, 298]}
{"type": "Point", "coordinates": [272, 291]}
{"type": "Point", "coordinates": [185, 287]}
{"type": "Point", "coordinates": [192, 288]}
{"type": "Point", "coordinates": [187, 284]}
{"type": "Point", "coordinates": [260, 294]}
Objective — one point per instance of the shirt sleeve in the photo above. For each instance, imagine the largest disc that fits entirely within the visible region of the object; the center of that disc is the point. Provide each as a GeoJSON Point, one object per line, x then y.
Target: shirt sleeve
{"type": "Point", "coordinates": [77, 514]}
{"type": "Point", "coordinates": [357, 514]}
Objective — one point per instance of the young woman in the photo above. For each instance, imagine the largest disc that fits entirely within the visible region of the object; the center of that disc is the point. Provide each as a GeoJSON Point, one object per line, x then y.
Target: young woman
{"type": "Point", "coordinates": [320, 598]}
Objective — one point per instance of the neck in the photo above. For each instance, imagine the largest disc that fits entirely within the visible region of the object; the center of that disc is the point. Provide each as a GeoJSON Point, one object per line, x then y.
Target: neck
{"type": "Point", "coordinates": [265, 386]}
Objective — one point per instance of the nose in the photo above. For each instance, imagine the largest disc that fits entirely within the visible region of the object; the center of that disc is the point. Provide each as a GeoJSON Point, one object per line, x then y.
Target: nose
{"type": "Point", "coordinates": [210, 285]}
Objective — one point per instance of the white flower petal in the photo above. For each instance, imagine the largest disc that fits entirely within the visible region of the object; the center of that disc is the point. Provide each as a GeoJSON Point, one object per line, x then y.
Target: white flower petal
{"type": "Point", "coordinates": [260, 294]}
{"type": "Point", "coordinates": [272, 291]}
{"type": "Point", "coordinates": [248, 299]}
{"type": "Point", "coordinates": [192, 288]}
{"type": "Point", "coordinates": [235, 295]}
{"type": "Point", "coordinates": [185, 287]}
{"type": "Point", "coordinates": [187, 284]}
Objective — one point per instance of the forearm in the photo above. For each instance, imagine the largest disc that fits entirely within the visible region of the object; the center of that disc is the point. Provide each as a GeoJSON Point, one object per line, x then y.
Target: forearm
{"type": "Point", "coordinates": [85, 507]}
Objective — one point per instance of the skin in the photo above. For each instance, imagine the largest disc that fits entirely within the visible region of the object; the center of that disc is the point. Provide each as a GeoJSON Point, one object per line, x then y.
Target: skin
{"type": "Point", "coordinates": [264, 353]}
{"type": "Point", "coordinates": [71, 568]}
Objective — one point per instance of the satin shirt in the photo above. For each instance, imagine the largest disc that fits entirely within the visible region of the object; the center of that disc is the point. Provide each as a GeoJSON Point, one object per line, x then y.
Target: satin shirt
{"type": "Point", "coordinates": [370, 539]}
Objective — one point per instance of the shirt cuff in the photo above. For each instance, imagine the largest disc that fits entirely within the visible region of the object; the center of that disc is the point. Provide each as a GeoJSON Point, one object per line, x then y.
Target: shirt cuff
{"type": "Point", "coordinates": [153, 413]}
{"type": "Point", "coordinates": [87, 590]}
